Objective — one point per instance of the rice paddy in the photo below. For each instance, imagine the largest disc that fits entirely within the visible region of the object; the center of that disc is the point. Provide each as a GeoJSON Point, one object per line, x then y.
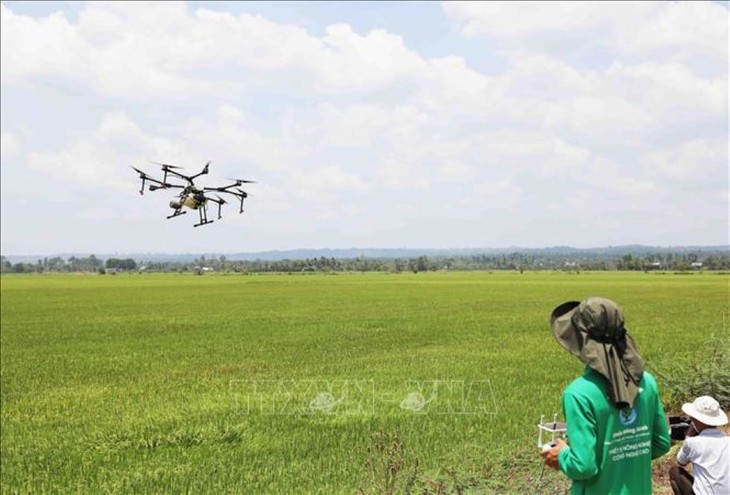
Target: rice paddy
{"type": "Point", "coordinates": [307, 383]}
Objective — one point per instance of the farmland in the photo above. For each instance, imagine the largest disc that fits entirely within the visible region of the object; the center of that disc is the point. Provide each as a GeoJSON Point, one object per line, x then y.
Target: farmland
{"type": "Point", "coordinates": [307, 383]}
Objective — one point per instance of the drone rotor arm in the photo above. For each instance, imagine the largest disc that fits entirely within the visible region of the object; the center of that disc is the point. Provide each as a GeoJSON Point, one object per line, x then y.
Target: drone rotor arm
{"type": "Point", "coordinates": [238, 193]}
{"type": "Point", "coordinates": [164, 185]}
{"type": "Point", "coordinates": [145, 178]}
{"type": "Point", "coordinates": [179, 175]}
{"type": "Point", "coordinates": [220, 202]}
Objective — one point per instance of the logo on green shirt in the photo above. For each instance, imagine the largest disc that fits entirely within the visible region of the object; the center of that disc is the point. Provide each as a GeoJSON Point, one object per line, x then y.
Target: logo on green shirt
{"type": "Point", "coordinates": [627, 417]}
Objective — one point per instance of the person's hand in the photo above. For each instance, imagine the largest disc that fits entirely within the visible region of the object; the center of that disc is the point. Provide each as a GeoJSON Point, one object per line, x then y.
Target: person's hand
{"type": "Point", "coordinates": [551, 456]}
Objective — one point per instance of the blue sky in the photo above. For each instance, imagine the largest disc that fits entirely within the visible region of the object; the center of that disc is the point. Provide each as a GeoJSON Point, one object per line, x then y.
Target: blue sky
{"type": "Point", "coordinates": [366, 124]}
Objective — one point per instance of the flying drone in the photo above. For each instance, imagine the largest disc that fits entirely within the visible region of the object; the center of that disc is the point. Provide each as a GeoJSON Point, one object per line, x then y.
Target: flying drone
{"type": "Point", "coordinates": [192, 196]}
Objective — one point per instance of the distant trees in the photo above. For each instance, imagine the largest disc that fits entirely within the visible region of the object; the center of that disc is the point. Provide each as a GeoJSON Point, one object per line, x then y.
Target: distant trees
{"type": "Point", "coordinates": [569, 261]}
{"type": "Point", "coordinates": [88, 264]}
{"type": "Point", "coordinates": [117, 264]}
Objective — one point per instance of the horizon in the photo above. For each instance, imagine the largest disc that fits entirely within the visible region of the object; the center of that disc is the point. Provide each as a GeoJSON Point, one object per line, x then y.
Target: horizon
{"type": "Point", "coordinates": [489, 250]}
{"type": "Point", "coordinates": [483, 124]}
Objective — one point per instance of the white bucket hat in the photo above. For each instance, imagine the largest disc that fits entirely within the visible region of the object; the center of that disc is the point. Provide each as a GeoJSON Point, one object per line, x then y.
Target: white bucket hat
{"type": "Point", "coordinates": [707, 410]}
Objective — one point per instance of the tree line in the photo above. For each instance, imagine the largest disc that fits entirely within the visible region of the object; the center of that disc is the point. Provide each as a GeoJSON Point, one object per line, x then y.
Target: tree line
{"type": "Point", "coordinates": [671, 261]}
{"type": "Point", "coordinates": [73, 264]}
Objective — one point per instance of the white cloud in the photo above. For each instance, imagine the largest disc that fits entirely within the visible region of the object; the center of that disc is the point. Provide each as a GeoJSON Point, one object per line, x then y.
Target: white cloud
{"type": "Point", "coordinates": [457, 171]}
{"type": "Point", "coordinates": [30, 47]}
{"type": "Point", "coordinates": [400, 173]}
{"type": "Point", "coordinates": [675, 31]}
{"type": "Point", "coordinates": [536, 75]}
{"type": "Point", "coordinates": [519, 144]}
{"type": "Point", "coordinates": [630, 186]}
{"type": "Point", "coordinates": [324, 188]}
{"type": "Point", "coordinates": [100, 158]}
{"type": "Point", "coordinates": [696, 162]}
{"type": "Point", "coordinates": [354, 62]}
{"type": "Point", "coordinates": [160, 50]}
{"type": "Point", "coordinates": [669, 89]}
{"type": "Point", "coordinates": [502, 194]}
{"type": "Point", "coordinates": [117, 55]}
{"type": "Point", "coordinates": [332, 177]}
{"type": "Point", "coordinates": [359, 124]}
{"type": "Point", "coordinates": [352, 126]}
{"type": "Point", "coordinates": [605, 116]}
{"type": "Point", "coordinates": [512, 19]}
{"type": "Point", "coordinates": [452, 88]}
{"type": "Point", "coordinates": [231, 137]}
{"type": "Point", "coordinates": [616, 101]}
{"type": "Point", "coordinates": [680, 31]}
{"type": "Point", "coordinates": [9, 146]}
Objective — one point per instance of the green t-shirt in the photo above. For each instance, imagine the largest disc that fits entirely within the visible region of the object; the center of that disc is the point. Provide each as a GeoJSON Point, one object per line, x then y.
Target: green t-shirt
{"type": "Point", "coordinates": [610, 451]}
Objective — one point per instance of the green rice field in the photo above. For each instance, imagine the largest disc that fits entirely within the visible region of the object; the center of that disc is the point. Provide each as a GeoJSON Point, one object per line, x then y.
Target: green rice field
{"type": "Point", "coordinates": [338, 383]}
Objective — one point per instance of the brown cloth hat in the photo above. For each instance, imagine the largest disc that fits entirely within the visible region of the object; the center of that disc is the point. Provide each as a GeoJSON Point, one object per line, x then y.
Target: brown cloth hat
{"type": "Point", "coordinates": [593, 330]}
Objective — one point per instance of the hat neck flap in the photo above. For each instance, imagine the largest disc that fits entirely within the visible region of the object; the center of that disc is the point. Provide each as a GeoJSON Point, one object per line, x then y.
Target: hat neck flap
{"type": "Point", "coordinates": [622, 370]}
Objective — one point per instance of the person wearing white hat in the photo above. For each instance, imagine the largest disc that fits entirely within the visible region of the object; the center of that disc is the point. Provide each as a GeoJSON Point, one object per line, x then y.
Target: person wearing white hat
{"type": "Point", "coordinates": [707, 448]}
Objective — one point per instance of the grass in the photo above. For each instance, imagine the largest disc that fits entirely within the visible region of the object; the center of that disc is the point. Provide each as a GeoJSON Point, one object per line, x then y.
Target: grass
{"type": "Point", "coordinates": [305, 383]}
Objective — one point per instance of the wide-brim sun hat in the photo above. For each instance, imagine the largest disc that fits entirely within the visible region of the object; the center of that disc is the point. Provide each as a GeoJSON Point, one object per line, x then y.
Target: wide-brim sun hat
{"type": "Point", "coordinates": [593, 330]}
{"type": "Point", "coordinates": [706, 410]}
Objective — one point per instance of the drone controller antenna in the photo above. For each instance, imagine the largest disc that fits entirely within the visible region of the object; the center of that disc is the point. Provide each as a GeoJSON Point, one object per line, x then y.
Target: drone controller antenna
{"type": "Point", "coordinates": [539, 431]}
{"type": "Point", "coordinates": [556, 429]}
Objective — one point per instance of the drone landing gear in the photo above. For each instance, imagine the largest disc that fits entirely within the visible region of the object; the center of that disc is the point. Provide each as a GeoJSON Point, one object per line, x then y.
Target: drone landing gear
{"type": "Point", "coordinates": [176, 214]}
{"type": "Point", "coordinates": [203, 217]}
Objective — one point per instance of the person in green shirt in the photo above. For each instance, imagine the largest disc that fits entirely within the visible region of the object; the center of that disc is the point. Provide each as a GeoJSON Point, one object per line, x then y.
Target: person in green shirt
{"type": "Point", "coordinates": [614, 417]}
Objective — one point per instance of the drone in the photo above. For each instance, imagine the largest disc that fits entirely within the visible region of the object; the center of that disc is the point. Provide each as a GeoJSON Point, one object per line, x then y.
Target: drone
{"type": "Point", "coordinates": [192, 196]}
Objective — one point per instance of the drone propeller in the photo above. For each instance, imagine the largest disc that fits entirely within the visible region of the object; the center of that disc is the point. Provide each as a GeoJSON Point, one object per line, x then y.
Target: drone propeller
{"type": "Point", "coordinates": [241, 181]}
{"type": "Point", "coordinates": [141, 173]}
{"type": "Point", "coordinates": [166, 165]}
